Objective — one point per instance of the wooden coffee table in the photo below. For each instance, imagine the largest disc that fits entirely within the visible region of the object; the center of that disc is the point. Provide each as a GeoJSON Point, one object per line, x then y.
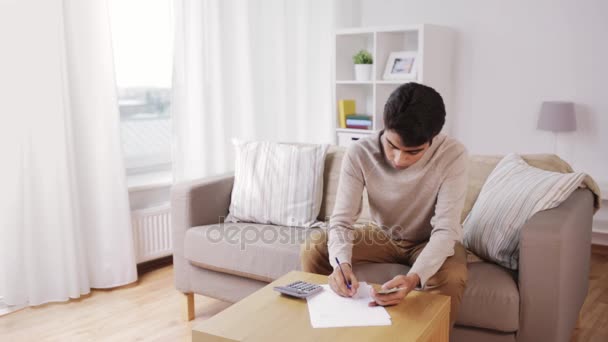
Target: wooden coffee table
{"type": "Point", "coordinates": [268, 316]}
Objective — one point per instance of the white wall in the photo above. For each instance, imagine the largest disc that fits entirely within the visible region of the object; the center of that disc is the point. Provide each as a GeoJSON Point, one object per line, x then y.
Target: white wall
{"type": "Point", "coordinates": [511, 56]}
{"type": "Point", "coordinates": [347, 13]}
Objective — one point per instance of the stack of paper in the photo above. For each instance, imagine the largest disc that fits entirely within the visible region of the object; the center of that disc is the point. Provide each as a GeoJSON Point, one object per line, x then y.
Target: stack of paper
{"type": "Point", "coordinates": [328, 310]}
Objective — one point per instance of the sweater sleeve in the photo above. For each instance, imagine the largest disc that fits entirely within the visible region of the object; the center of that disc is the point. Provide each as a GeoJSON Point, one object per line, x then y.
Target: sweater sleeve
{"type": "Point", "coordinates": [447, 228]}
{"type": "Point", "coordinates": [347, 209]}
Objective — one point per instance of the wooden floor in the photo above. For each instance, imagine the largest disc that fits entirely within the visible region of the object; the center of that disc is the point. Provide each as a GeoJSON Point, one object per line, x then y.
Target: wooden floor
{"type": "Point", "coordinates": [593, 321]}
{"type": "Point", "coordinates": [151, 311]}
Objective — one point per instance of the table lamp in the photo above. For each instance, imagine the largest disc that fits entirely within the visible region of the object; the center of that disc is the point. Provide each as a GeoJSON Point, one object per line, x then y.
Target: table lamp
{"type": "Point", "coordinates": [557, 116]}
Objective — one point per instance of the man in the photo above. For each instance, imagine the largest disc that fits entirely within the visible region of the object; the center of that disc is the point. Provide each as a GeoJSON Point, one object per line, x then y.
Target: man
{"type": "Point", "coordinates": [416, 181]}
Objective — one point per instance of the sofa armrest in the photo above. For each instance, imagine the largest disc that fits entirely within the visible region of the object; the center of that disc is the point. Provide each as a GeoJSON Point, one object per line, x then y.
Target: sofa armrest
{"type": "Point", "coordinates": [195, 203]}
{"type": "Point", "coordinates": [554, 256]}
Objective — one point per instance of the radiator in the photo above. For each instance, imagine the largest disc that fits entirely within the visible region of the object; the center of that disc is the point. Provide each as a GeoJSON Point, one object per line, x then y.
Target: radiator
{"type": "Point", "coordinates": [152, 232]}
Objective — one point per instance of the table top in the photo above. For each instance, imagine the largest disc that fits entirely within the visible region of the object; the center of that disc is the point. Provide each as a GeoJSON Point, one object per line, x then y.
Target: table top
{"type": "Point", "coordinates": [267, 315]}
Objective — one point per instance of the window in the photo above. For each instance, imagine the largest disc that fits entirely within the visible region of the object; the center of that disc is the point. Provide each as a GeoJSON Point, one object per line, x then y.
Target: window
{"type": "Point", "coordinates": [142, 37]}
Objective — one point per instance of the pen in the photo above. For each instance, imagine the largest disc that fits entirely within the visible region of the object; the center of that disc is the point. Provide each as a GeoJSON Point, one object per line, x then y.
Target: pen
{"type": "Point", "coordinates": [347, 282]}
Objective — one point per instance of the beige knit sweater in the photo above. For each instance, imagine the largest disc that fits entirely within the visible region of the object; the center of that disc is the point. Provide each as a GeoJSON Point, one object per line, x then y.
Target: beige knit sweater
{"type": "Point", "coordinates": [421, 203]}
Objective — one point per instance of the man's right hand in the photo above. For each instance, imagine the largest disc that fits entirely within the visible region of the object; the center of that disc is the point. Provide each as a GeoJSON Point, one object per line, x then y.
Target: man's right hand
{"type": "Point", "coordinates": [337, 283]}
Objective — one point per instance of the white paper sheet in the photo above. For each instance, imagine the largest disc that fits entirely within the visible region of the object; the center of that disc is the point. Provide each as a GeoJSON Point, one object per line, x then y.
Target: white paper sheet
{"type": "Point", "coordinates": [328, 310]}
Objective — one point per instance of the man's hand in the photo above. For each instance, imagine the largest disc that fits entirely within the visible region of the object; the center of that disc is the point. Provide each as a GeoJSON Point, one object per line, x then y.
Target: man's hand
{"type": "Point", "coordinates": [407, 283]}
{"type": "Point", "coordinates": [336, 281]}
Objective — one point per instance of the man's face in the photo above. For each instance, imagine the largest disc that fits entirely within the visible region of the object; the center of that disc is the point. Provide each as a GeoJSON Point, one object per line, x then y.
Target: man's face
{"type": "Point", "coordinates": [401, 157]}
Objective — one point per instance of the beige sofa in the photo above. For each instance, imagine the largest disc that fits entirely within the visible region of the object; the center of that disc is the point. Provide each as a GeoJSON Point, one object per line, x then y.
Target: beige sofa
{"type": "Point", "coordinates": [539, 303]}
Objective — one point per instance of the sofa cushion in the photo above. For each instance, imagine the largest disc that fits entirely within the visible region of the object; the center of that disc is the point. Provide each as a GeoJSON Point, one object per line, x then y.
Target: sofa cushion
{"type": "Point", "coordinates": [480, 167]}
{"type": "Point", "coordinates": [490, 301]}
{"type": "Point", "coordinates": [331, 178]}
{"type": "Point", "coordinates": [292, 198]}
{"type": "Point", "coordinates": [256, 251]}
{"type": "Point", "coordinates": [512, 194]}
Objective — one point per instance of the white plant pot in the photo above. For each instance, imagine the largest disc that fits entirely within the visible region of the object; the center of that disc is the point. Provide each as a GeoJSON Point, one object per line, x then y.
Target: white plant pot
{"type": "Point", "coordinates": [363, 72]}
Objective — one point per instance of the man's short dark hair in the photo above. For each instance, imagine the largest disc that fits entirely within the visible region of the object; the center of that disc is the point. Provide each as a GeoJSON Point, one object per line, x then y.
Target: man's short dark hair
{"type": "Point", "coordinates": [415, 112]}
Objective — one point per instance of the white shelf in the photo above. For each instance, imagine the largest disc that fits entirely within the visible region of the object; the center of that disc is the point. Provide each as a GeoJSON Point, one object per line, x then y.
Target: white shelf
{"type": "Point", "coordinates": [433, 44]}
{"type": "Point", "coordinates": [355, 130]}
{"type": "Point", "coordinates": [395, 82]}
{"type": "Point", "coordinates": [389, 82]}
{"type": "Point", "coordinates": [362, 30]}
{"type": "Point", "coordinates": [354, 82]}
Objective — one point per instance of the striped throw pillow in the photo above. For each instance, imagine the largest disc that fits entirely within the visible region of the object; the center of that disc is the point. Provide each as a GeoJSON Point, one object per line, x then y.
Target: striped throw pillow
{"type": "Point", "coordinates": [277, 183]}
{"type": "Point", "coordinates": [513, 192]}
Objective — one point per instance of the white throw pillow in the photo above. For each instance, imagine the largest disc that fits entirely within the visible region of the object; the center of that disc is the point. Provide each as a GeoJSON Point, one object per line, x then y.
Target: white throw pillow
{"type": "Point", "coordinates": [277, 183]}
{"type": "Point", "coordinates": [513, 192]}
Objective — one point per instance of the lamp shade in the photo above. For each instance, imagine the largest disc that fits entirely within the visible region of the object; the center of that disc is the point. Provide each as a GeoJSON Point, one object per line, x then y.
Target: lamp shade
{"type": "Point", "coordinates": [557, 117]}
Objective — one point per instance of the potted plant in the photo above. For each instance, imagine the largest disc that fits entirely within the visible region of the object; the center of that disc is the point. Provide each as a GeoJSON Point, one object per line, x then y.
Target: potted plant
{"type": "Point", "coordinates": [363, 65]}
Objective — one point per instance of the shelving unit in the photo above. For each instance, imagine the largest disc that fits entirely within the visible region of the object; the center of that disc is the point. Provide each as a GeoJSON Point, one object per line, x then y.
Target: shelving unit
{"type": "Point", "coordinates": [434, 45]}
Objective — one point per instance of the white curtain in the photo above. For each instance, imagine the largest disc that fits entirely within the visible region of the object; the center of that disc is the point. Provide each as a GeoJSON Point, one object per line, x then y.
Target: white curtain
{"type": "Point", "coordinates": [252, 69]}
{"type": "Point", "coordinates": [65, 225]}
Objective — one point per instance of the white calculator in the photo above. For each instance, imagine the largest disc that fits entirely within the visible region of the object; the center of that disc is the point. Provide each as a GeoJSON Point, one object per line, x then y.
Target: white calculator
{"type": "Point", "coordinates": [299, 289]}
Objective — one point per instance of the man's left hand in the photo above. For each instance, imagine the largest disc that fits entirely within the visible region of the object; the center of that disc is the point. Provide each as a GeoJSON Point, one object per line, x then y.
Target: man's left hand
{"type": "Point", "coordinates": [406, 282]}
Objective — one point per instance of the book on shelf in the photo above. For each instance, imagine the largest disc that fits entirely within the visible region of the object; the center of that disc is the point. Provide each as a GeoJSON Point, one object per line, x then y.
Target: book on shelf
{"type": "Point", "coordinates": [358, 121]}
{"type": "Point", "coordinates": [345, 107]}
{"type": "Point", "coordinates": [359, 117]}
{"type": "Point", "coordinates": [358, 127]}
{"type": "Point", "coordinates": [350, 121]}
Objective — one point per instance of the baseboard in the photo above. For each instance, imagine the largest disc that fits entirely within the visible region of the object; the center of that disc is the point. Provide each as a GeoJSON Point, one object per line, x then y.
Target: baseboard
{"type": "Point", "coordinates": [599, 238]}
{"type": "Point", "coordinates": [599, 249]}
{"type": "Point", "coordinates": [5, 309]}
{"type": "Point", "coordinates": [154, 264]}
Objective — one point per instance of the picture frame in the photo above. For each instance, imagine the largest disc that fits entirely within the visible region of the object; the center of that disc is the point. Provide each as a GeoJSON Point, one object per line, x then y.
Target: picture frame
{"type": "Point", "coordinates": [401, 65]}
